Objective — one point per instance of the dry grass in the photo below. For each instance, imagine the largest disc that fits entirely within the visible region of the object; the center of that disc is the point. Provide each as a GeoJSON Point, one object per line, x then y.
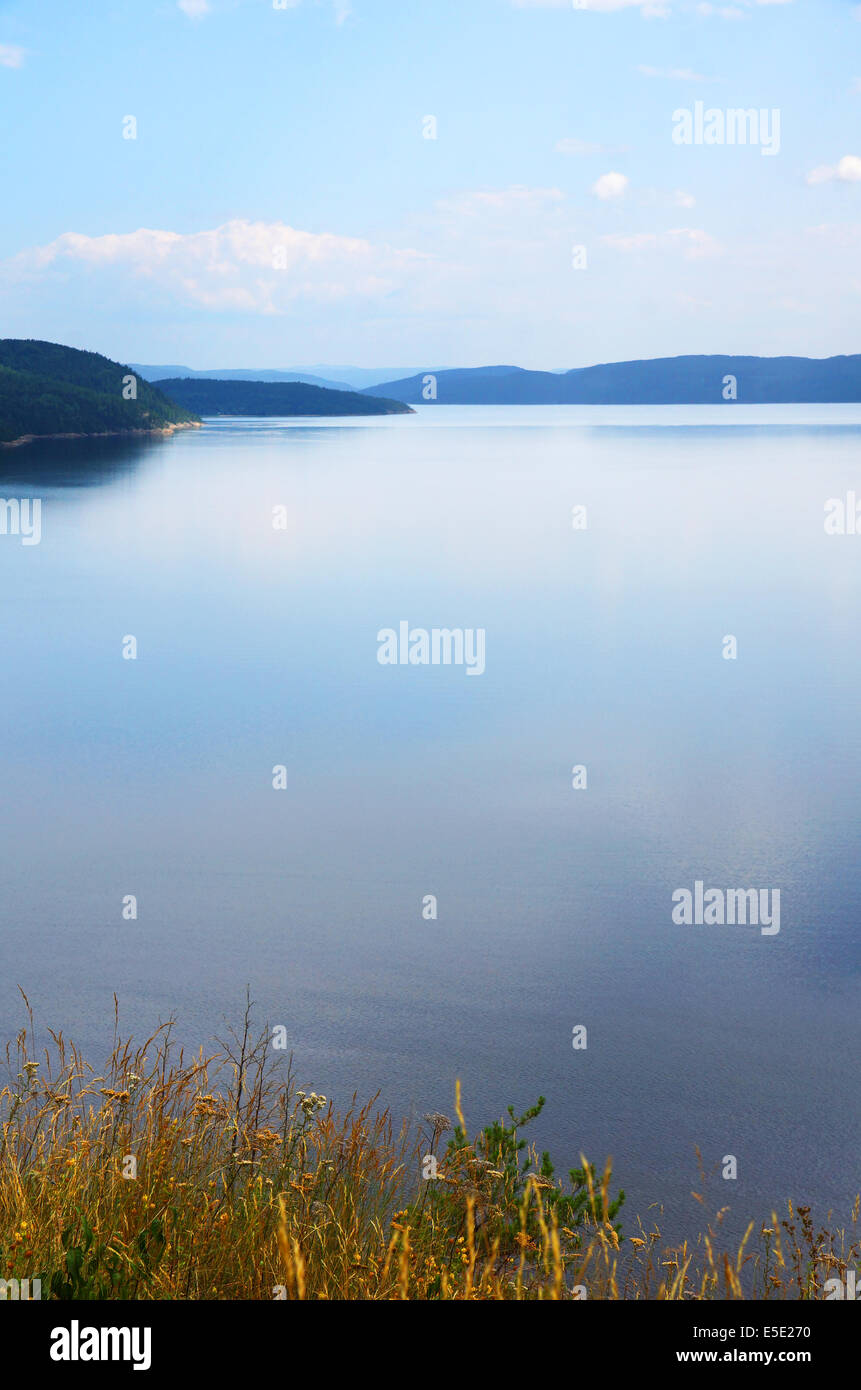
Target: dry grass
{"type": "Point", "coordinates": [246, 1188]}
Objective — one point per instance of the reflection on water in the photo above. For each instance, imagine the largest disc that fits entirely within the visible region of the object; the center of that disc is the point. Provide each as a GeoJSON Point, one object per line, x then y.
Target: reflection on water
{"type": "Point", "coordinates": [257, 647]}
{"type": "Point", "coordinates": [73, 463]}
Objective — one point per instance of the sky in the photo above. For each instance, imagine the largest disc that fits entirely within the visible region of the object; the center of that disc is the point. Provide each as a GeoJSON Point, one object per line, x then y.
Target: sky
{"type": "Point", "coordinates": [272, 183]}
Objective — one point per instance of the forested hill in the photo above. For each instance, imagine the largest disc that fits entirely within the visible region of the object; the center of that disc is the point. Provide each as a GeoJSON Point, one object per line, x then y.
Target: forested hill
{"type": "Point", "coordinates": [48, 389]}
{"type": "Point", "coordinates": [707, 380]}
{"type": "Point", "coordinates": [206, 396]}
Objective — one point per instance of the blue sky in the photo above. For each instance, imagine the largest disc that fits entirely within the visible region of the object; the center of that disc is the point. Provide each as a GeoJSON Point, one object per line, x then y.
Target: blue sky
{"type": "Point", "coordinates": [280, 203]}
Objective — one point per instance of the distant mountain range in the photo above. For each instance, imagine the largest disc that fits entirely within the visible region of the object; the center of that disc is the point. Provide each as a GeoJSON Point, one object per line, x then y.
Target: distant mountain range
{"type": "Point", "coordinates": [652, 381]}
{"type": "Point", "coordinates": [334, 378]}
{"type": "Point", "coordinates": [360, 378]}
{"type": "Point", "coordinates": [47, 389]}
{"type": "Point", "coordinates": [178, 373]}
{"type": "Point", "coordinates": [207, 396]}
{"type": "Point", "coordinates": [686, 380]}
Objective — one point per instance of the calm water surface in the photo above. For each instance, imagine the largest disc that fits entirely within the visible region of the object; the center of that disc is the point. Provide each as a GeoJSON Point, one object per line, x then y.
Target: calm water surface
{"type": "Point", "coordinates": [258, 647]}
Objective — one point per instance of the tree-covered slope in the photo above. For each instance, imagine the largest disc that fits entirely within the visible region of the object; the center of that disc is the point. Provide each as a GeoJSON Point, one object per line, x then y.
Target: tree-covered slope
{"type": "Point", "coordinates": [688, 380]}
{"type": "Point", "coordinates": [46, 388]}
{"type": "Point", "coordinates": [208, 397]}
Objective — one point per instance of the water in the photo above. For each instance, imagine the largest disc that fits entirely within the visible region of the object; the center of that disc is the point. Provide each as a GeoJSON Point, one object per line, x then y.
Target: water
{"type": "Point", "coordinates": [257, 647]}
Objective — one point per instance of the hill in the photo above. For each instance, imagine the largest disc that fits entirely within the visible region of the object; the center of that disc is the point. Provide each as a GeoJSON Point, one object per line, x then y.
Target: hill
{"type": "Point", "coordinates": [358, 378]}
{"type": "Point", "coordinates": [694, 380]}
{"type": "Point", "coordinates": [151, 373]}
{"type": "Point", "coordinates": [260, 398]}
{"type": "Point", "coordinates": [333, 378]}
{"type": "Point", "coordinates": [47, 389]}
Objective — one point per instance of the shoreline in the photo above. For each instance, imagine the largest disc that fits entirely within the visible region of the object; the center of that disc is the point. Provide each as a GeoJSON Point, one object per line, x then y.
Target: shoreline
{"type": "Point", "coordinates": [100, 434]}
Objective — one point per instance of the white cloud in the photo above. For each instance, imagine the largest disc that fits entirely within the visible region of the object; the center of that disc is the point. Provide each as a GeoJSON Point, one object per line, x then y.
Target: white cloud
{"type": "Point", "coordinates": [840, 234]}
{"type": "Point", "coordinates": [343, 8]}
{"type": "Point", "coordinates": [651, 9]}
{"type": "Point", "coordinates": [610, 185]}
{"type": "Point", "coordinates": [517, 198]}
{"type": "Point", "coordinates": [692, 242]}
{"type": "Point", "coordinates": [683, 200]}
{"type": "Point", "coordinates": [734, 11]}
{"type": "Point", "coordinates": [259, 267]}
{"type": "Point", "coordinates": [721, 11]}
{"type": "Point", "coordinates": [10, 56]}
{"type": "Point", "coordinates": [823, 173]}
{"type": "Point", "coordinates": [195, 9]}
{"type": "Point", "coordinates": [847, 170]}
{"type": "Point", "coordinates": [636, 241]}
{"type": "Point", "coordinates": [676, 74]}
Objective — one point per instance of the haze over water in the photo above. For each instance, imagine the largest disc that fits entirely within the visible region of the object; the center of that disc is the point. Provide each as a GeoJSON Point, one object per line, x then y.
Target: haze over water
{"type": "Point", "coordinates": [258, 647]}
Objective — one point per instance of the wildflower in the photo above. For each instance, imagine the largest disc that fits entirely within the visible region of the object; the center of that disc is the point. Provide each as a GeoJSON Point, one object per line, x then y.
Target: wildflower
{"type": "Point", "coordinates": [310, 1104]}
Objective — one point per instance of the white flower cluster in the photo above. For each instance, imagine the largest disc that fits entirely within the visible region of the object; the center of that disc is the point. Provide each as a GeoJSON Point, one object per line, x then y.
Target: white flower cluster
{"type": "Point", "coordinates": [310, 1104]}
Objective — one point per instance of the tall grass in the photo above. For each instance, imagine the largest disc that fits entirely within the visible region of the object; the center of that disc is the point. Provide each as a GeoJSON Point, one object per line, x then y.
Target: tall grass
{"type": "Point", "coordinates": [165, 1176]}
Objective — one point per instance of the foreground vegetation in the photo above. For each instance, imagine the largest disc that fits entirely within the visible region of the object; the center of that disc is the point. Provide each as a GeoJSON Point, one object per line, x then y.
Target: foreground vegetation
{"type": "Point", "coordinates": [164, 1177]}
{"type": "Point", "coordinates": [48, 389]}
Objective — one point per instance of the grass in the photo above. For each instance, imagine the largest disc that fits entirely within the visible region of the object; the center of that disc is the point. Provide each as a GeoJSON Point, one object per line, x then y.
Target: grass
{"type": "Point", "coordinates": [215, 1177]}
